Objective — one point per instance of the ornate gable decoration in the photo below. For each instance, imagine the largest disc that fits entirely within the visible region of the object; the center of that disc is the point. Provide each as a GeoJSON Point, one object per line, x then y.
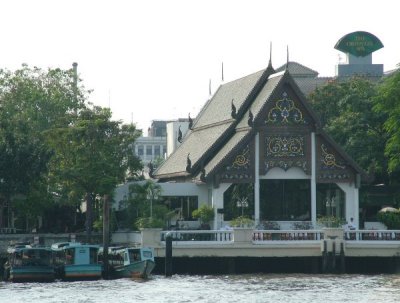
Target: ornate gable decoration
{"type": "Point", "coordinates": [285, 152]}
{"type": "Point", "coordinates": [332, 166]}
{"type": "Point", "coordinates": [285, 111]}
{"type": "Point", "coordinates": [241, 168]}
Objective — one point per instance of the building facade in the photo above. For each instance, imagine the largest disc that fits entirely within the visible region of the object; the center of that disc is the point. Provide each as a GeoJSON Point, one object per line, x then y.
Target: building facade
{"type": "Point", "coordinates": [257, 148]}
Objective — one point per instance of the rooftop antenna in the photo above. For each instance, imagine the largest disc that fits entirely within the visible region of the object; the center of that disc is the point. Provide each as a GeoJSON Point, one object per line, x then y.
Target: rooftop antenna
{"type": "Point", "coordinates": [209, 88]}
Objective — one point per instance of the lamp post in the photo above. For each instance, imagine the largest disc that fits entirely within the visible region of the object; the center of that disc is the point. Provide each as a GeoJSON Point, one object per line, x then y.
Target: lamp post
{"type": "Point", "coordinates": [242, 202]}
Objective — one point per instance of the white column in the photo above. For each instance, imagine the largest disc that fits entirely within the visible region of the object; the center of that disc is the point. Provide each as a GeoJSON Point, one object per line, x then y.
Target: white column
{"type": "Point", "coordinates": [257, 180]}
{"type": "Point", "coordinates": [356, 208]}
{"type": "Point", "coordinates": [217, 200]}
{"type": "Point", "coordinates": [313, 180]}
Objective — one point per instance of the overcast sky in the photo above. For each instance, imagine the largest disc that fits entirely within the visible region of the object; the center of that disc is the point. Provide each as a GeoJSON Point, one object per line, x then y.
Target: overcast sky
{"type": "Point", "coordinates": [153, 59]}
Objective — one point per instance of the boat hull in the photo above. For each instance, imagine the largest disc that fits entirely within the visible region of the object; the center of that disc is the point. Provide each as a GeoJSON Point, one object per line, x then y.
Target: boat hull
{"type": "Point", "coordinates": [136, 270]}
{"type": "Point", "coordinates": [82, 272]}
{"type": "Point", "coordinates": [32, 274]}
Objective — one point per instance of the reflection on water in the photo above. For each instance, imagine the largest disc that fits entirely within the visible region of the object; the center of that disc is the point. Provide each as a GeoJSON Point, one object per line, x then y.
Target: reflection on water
{"type": "Point", "coordinates": [232, 288]}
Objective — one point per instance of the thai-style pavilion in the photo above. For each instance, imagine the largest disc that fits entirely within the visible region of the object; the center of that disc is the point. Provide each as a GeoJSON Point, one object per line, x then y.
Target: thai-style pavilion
{"type": "Point", "coordinates": [257, 148]}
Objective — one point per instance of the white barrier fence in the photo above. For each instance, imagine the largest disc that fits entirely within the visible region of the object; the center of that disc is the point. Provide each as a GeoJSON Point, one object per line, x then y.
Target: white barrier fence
{"type": "Point", "coordinates": [271, 236]}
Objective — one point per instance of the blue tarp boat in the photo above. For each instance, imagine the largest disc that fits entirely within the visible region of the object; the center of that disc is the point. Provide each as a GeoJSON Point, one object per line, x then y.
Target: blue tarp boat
{"type": "Point", "coordinates": [131, 262]}
{"type": "Point", "coordinates": [29, 264]}
{"type": "Point", "coordinates": [77, 261]}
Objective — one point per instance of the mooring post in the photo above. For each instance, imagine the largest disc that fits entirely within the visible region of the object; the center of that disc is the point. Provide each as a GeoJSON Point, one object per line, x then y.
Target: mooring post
{"type": "Point", "coordinates": [106, 234]}
{"type": "Point", "coordinates": [324, 257]}
{"type": "Point", "coordinates": [168, 255]}
{"type": "Point", "coordinates": [333, 256]}
{"type": "Point", "coordinates": [342, 259]}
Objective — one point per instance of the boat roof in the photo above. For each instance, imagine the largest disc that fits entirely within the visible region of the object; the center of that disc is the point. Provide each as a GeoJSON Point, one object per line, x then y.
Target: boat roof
{"type": "Point", "coordinates": [65, 245]}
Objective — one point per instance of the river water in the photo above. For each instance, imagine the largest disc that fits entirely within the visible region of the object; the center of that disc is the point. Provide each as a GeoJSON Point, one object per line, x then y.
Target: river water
{"type": "Point", "coordinates": [228, 288]}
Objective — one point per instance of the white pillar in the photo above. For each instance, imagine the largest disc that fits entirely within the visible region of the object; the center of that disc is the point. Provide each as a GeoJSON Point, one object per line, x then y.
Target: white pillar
{"type": "Point", "coordinates": [217, 200]}
{"type": "Point", "coordinates": [356, 208]}
{"type": "Point", "coordinates": [257, 180]}
{"type": "Point", "coordinates": [313, 180]}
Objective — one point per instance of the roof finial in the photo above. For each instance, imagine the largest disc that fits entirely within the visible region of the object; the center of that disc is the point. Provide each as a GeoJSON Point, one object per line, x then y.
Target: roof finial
{"type": "Point", "coordinates": [270, 53]}
{"type": "Point", "coordinates": [179, 135]}
{"type": "Point", "coordinates": [190, 126]}
{"type": "Point", "coordinates": [287, 56]}
{"type": "Point", "coordinates": [209, 87]}
{"type": "Point", "coordinates": [222, 71]}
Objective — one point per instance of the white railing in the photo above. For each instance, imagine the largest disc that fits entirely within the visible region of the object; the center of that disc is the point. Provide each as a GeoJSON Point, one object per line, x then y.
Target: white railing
{"type": "Point", "coordinates": [273, 236]}
{"type": "Point", "coordinates": [287, 235]}
{"type": "Point", "coordinates": [220, 236]}
{"type": "Point", "coordinates": [372, 235]}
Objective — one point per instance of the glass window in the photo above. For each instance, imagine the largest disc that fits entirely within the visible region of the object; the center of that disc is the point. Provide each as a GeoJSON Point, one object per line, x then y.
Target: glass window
{"type": "Point", "coordinates": [239, 201]}
{"type": "Point", "coordinates": [285, 200]}
{"type": "Point", "coordinates": [149, 150]}
{"type": "Point", "coordinates": [183, 206]}
{"type": "Point", "coordinates": [330, 201]}
{"type": "Point", "coordinates": [157, 151]}
{"type": "Point", "coordinates": [140, 150]}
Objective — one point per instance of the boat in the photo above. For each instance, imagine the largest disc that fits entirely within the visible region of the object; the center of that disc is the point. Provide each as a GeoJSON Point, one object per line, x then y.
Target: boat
{"type": "Point", "coordinates": [28, 263]}
{"type": "Point", "coordinates": [77, 261]}
{"type": "Point", "coordinates": [131, 262]}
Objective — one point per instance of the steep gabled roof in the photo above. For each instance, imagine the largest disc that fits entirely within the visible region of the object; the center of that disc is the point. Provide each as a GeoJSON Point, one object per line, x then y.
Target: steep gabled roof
{"type": "Point", "coordinates": [214, 125]}
{"type": "Point", "coordinates": [217, 135]}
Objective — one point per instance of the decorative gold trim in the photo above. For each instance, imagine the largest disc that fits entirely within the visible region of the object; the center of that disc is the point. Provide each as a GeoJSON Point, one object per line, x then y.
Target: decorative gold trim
{"type": "Point", "coordinates": [329, 159]}
{"type": "Point", "coordinates": [285, 112]}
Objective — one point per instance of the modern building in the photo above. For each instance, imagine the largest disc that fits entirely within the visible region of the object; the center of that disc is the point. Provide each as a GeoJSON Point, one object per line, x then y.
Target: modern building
{"type": "Point", "coordinates": [164, 136]}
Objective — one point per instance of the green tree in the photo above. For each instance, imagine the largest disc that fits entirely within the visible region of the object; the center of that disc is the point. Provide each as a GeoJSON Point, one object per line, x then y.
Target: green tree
{"type": "Point", "coordinates": [387, 102]}
{"type": "Point", "coordinates": [32, 101]}
{"type": "Point", "coordinates": [346, 111]}
{"type": "Point", "coordinates": [92, 155]}
{"type": "Point", "coordinates": [143, 205]}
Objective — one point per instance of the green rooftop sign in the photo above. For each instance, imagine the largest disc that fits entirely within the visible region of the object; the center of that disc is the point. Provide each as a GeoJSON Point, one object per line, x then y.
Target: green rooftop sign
{"type": "Point", "coordinates": [359, 44]}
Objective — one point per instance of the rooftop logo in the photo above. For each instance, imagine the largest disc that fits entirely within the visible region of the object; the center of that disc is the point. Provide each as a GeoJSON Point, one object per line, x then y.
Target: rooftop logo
{"type": "Point", "coordinates": [359, 44]}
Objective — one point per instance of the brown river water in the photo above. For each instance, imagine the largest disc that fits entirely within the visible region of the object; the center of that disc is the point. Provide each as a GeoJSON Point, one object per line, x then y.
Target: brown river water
{"type": "Point", "coordinates": [225, 288]}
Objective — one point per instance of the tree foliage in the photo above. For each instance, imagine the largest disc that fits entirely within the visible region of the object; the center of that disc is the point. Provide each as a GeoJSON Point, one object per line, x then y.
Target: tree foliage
{"type": "Point", "coordinates": [92, 155]}
{"type": "Point", "coordinates": [32, 101]}
{"type": "Point", "coordinates": [387, 102]}
{"type": "Point", "coordinates": [347, 115]}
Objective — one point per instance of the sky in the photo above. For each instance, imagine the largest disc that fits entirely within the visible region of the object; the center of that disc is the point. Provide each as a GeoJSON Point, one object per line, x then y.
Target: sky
{"type": "Point", "coordinates": [155, 59]}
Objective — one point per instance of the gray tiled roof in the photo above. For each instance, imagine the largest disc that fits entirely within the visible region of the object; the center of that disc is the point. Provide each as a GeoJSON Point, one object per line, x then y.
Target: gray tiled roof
{"type": "Point", "coordinates": [261, 98]}
{"type": "Point", "coordinates": [298, 70]}
{"type": "Point", "coordinates": [225, 150]}
{"type": "Point", "coordinates": [213, 137]}
{"type": "Point", "coordinates": [219, 107]}
{"type": "Point", "coordinates": [196, 143]}
{"type": "Point", "coordinates": [210, 125]}
{"type": "Point", "coordinates": [308, 85]}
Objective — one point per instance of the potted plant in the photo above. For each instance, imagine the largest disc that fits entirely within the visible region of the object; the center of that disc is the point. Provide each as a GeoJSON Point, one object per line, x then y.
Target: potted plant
{"type": "Point", "coordinates": [242, 221]}
{"type": "Point", "coordinates": [205, 214]}
{"type": "Point", "coordinates": [332, 226]}
{"type": "Point", "coordinates": [330, 221]}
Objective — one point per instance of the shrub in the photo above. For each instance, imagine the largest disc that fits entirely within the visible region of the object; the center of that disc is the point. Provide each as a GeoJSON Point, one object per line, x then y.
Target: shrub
{"type": "Point", "coordinates": [390, 219]}
{"type": "Point", "coordinates": [331, 221]}
{"type": "Point", "coordinates": [205, 213]}
{"type": "Point", "coordinates": [242, 221]}
{"type": "Point", "coordinates": [148, 222]}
